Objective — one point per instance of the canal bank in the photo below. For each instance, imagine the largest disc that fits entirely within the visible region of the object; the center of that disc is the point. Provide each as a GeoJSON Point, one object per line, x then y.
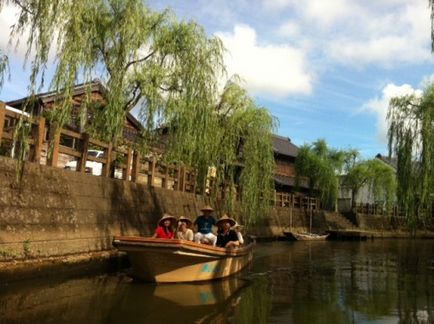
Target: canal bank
{"type": "Point", "coordinates": [54, 218]}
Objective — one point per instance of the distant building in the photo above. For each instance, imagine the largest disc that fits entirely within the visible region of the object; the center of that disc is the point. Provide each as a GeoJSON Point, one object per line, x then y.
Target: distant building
{"type": "Point", "coordinates": [285, 154]}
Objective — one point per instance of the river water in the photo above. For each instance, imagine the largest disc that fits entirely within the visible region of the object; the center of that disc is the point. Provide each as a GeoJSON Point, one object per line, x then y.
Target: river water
{"type": "Point", "coordinates": [380, 281]}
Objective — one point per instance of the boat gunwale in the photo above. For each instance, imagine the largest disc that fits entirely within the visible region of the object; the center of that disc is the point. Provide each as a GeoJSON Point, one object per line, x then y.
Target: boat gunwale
{"type": "Point", "coordinates": [175, 244]}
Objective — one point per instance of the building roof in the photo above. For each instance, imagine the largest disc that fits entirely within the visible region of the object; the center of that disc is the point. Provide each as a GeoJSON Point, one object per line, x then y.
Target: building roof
{"type": "Point", "coordinates": [290, 181]}
{"type": "Point", "coordinates": [284, 146]}
{"type": "Point", "coordinates": [393, 162]}
{"type": "Point", "coordinates": [79, 89]}
{"type": "Point", "coordinates": [50, 96]}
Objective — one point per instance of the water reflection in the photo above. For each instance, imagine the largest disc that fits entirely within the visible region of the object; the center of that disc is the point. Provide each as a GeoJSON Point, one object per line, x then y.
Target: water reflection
{"type": "Point", "coordinates": [290, 282]}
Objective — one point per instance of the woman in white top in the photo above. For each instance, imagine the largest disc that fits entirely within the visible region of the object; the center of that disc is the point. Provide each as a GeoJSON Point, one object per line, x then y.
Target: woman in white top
{"type": "Point", "coordinates": [237, 228]}
{"type": "Point", "coordinates": [183, 232]}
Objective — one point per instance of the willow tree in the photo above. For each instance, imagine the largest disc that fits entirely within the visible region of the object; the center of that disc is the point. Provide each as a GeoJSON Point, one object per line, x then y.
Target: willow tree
{"type": "Point", "coordinates": [168, 69]}
{"type": "Point", "coordinates": [321, 165]}
{"type": "Point", "coordinates": [3, 67]}
{"type": "Point", "coordinates": [411, 140]}
{"type": "Point", "coordinates": [377, 176]}
{"type": "Point", "coordinates": [237, 142]}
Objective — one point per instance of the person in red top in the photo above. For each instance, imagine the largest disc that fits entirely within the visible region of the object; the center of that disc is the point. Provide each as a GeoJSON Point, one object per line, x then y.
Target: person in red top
{"type": "Point", "coordinates": [165, 227]}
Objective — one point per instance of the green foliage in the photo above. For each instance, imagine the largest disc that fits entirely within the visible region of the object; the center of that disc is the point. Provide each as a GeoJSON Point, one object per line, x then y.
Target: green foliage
{"type": "Point", "coordinates": [378, 176]}
{"type": "Point", "coordinates": [320, 164]}
{"type": "Point", "coordinates": [26, 249]}
{"type": "Point", "coordinates": [170, 70]}
{"type": "Point", "coordinates": [4, 67]}
{"type": "Point", "coordinates": [411, 140]}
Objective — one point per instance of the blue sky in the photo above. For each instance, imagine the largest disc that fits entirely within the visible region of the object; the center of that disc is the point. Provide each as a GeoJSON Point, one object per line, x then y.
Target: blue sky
{"type": "Point", "coordinates": [325, 69]}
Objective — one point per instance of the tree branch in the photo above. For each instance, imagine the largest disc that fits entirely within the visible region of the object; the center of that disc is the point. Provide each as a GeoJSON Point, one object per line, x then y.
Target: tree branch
{"type": "Point", "coordinates": [139, 60]}
{"type": "Point", "coordinates": [24, 8]}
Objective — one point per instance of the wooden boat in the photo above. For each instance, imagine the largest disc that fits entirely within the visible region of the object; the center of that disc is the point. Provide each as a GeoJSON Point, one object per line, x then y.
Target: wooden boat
{"type": "Point", "coordinates": [306, 236]}
{"type": "Point", "coordinates": [162, 260]}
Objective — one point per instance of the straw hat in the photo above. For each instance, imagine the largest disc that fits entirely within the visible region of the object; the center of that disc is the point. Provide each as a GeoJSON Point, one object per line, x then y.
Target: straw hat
{"type": "Point", "coordinates": [225, 218]}
{"type": "Point", "coordinates": [207, 208]}
{"type": "Point", "coordinates": [166, 216]}
{"type": "Point", "coordinates": [237, 225]}
{"type": "Point", "coordinates": [185, 219]}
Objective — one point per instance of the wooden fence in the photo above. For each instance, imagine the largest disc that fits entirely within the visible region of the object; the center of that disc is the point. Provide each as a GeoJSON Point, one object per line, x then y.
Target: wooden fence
{"type": "Point", "coordinates": [378, 210]}
{"type": "Point", "coordinates": [116, 161]}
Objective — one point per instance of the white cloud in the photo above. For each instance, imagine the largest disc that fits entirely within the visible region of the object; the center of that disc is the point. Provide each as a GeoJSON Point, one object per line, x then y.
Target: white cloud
{"type": "Point", "coordinates": [289, 29]}
{"type": "Point", "coordinates": [278, 70]}
{"type": "Point", "coordinates": [357, 33]}
{"type": "Point", "coordinates": [380, 105]}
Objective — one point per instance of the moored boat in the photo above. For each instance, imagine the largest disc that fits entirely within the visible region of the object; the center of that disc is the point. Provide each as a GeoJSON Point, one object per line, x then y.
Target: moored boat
{"type": "Point", "coordinates": [163, 260]}
{"type": "Point", "coordinates": [306, 236]}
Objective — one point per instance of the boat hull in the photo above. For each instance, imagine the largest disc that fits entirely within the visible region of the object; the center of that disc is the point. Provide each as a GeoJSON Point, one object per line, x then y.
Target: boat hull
{"type": "Point", "coordinates": [306, 236]}
{"type": "Point", "coordinates": [159, 260]}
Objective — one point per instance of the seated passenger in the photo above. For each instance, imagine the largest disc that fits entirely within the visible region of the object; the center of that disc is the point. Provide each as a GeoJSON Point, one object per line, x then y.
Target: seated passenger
{"type": "Point", "coordinates": [237, 228]}
{"type": "Point", "coordinates": [183, 232]}
{"type": "Point", "coordinates": [226, 237]}
{"type": "Point", "coordinates": [165, 227]}
{"type": "Point", "coordinates": [204, 225]}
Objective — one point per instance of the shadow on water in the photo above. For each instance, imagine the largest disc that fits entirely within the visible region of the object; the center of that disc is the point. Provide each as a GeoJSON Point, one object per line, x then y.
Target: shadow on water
{"type": "Point", "coordinates": [118, 299]}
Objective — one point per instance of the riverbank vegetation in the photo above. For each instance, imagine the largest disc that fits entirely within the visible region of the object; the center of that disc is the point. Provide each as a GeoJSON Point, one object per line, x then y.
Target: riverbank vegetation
{"type": "Point", "coordinates": [168, 70]}
{"type": "Point", "coordinates": [411, 140]}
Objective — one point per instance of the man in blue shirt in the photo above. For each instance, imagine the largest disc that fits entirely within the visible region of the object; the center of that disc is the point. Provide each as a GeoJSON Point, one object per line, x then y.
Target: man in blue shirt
{"type": "Point", "coordinates": [204, 225]}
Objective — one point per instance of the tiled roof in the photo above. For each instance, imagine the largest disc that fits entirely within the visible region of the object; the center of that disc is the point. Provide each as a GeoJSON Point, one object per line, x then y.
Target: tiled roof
{"type": "Point", "coordinates": [290, 181]}
{"type": "Point", "coordinates": [284, 146]}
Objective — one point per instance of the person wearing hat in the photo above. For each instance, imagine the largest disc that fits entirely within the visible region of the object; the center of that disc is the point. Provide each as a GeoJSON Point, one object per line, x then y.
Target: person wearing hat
{"type": "Point", "coordinates": [165, 227]}
{"type": "Point", "coordinates": [237, 228]}
{"type": "Point", "coordinates": [183, 232]}
{"type": "Point", "coordinates": [204, 225]}
{"type": "Point", "coordinates": [226, 237]}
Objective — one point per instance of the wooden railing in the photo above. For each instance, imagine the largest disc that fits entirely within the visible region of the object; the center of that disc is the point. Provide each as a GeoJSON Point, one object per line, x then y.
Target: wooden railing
{"type": "Point", "coordinates": [296, 201]}
{"type": "Point", "coordinates": [378, 209]}
{"type": "Point", "coordinates": [56, 147]}
{"type": "Point", "coordinates": [116, 161]}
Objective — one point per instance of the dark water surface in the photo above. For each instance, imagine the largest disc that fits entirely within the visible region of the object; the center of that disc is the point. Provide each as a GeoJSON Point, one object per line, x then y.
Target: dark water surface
{"type": "Point", "coordinates": [381, 281]}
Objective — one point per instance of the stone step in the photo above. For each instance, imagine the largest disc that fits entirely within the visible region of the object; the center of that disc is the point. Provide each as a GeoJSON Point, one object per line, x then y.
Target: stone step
{"type": "Point", "coordinates": [338, 221]}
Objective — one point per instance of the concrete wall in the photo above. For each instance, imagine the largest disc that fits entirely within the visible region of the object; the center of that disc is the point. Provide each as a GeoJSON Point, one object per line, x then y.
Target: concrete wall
{"type": "Point", "coordinates": [53, 212]}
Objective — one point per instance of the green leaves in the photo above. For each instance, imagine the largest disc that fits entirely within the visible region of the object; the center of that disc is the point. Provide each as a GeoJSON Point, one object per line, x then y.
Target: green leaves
{"type": "Point", "coordinates": [411, 140]}
{"type": "Point", "coordinates": [168, 70]}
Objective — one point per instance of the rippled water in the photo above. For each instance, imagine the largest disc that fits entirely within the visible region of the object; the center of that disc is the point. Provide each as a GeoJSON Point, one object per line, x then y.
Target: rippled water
{"type": "Point", "coordinates": [381, 281]}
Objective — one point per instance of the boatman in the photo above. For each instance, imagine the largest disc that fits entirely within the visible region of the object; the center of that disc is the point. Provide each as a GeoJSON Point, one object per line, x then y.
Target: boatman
{"type": "Point", "coordinates": [204, 225]}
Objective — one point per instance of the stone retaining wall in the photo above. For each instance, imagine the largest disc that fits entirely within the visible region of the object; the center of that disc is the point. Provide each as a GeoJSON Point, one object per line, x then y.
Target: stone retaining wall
{"type": "Point", "coordinates": [54, 212]}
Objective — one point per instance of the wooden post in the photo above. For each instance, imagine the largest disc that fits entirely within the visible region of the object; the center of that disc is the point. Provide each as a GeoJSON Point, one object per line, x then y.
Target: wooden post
{"type": "Point", "coordinates": [126, 175]}
{"type": "Point", "coordinates": [54, 139]}
{"type": "Point", "coordinates": [151, 174]}
{"type": "Point", "coordinates": [2, 119]}
{"type": "Point", "coordinates": [135, 167]}
{"type": "Point", "coordinates": [38, 136]}
{"type": "Point", "coordinates": [81, 163]}
{"type": "Point", "coordinates": [108, 156]}
{"type": "Point", "coordinates": [166, 177]}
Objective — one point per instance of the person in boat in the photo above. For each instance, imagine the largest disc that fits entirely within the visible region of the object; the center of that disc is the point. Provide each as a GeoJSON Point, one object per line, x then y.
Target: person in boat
{"type": "Point", "coordinates": [237, 228]}
{"type": "Point", "coordinates": [165, 227]}
{"type": "Point", "coordinates": [183, 232]}
{"type": "Point", "coordinates": [204, 225]}
{"type": "Point", "coordinates": [227, 237]}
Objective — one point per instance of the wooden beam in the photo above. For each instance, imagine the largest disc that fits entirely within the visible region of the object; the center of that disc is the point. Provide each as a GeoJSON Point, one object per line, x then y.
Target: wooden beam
{"type": "Point", "coordinates": [135, 167]}
{"type": "Point", "coordinates": [39, 136]}
{"type": "Point", "coordinates": [81, 163]}
{"type": "Point", "coordinates": [151, 174]}
{"type": "Point", "coordinates": [126, 175]}
{"type": "Point", "coordinates": [107, 164]}
{"type": "Point", "coordinates": [54, 142]}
